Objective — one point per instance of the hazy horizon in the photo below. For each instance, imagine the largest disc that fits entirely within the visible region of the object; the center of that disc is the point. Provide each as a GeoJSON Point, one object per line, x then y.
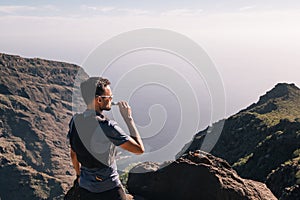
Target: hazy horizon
{"type": "Point", "coordinates": [254, 44]}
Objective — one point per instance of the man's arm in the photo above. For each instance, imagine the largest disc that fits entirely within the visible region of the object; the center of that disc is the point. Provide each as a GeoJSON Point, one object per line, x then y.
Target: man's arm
{"type": "Point", "coordinates": [75, 162]}
{"type": "Point", "coordinates": [135, 143]}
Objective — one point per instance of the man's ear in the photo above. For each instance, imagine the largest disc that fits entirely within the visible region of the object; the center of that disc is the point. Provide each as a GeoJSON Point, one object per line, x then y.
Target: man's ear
{"type": "Point", "coordinates": [99, 99]}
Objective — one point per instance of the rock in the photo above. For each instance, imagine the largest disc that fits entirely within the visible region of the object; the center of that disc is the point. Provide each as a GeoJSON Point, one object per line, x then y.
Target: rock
{"type": "Point", "coordinates": [284, 181]}
{"type": "Point", "coordinates": [4, 90]}
{"type": "Point", "coordinates": [34, 151]}
{"type": "Point", "coordinates": [23, 164]}
{"type": "Point", "coordinates": [2, 150]}
{"type": "Point", "coordinates": [68, 173]}
{"type": "Point", "coordinates": [4, 161]}
{"type": "Point", "coordinates": [50, 110]}
{"type": "Point", "coordinates": [196, 175]}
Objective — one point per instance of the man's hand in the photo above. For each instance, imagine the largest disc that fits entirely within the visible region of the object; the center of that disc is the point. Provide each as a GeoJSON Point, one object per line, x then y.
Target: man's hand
{"type": "Point", "coordinates": [134, 144]}
{"type": "Point", "coordinates": [125, 110]}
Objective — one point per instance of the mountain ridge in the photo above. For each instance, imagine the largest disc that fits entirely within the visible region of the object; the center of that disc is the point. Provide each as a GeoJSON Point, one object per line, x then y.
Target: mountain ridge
{"type": "Point", "coordinates": [35, 108]}
{"type": "Point", "coordinates": [251, 139]}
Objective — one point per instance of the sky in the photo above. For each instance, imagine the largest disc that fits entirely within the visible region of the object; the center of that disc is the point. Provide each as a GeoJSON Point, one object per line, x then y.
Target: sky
{"type": "Point", "coordinates": [253, 44]}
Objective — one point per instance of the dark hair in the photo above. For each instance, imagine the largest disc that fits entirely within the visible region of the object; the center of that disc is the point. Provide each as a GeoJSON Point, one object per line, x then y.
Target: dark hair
{"type": "Point", "coordinates": [92, 87]}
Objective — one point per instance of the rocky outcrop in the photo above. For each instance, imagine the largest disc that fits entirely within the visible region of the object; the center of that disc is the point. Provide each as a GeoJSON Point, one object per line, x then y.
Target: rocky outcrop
{"type": "Point", "coordinates": [259, 139]}
{"type": "Point", "coordinates": [196, 175]}
{"type": "Point", "coordinates": [35, 108]}
{"type": "Point", "coordinates": [284, 181]}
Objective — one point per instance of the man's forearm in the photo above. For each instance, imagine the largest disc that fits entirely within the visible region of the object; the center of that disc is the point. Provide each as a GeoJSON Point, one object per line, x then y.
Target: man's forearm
{"type": "Point", "coordinates": [134, 132]}
{"type": "Point", "coordinates": [75, 162]}
{"type": "Point", "coordinates": [135, 143]}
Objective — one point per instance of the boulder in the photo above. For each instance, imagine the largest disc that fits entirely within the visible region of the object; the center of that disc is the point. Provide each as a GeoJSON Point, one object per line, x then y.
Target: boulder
{"type": "Point", "coordinates": [195, 175]}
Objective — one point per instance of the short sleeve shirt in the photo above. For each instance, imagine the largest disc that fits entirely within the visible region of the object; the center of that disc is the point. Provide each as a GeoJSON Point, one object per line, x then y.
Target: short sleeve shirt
{"type": "Point", "coordinates": [102, 145]}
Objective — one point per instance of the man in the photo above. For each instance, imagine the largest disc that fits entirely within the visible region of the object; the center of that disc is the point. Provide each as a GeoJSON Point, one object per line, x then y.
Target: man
{"type": "Point", "coordinates": [94, 138]}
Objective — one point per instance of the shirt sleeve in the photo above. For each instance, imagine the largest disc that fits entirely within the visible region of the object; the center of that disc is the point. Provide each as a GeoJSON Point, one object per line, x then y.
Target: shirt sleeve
{"type": "Point", "coordinates": [70, 132]}
{"type": "Point", "coordinates": [70, 128]}
{"type": "Point", "coordinates": [115, 133]}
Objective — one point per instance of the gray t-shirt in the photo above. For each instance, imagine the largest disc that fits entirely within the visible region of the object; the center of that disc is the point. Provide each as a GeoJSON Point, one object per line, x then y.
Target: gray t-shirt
{"type": "Point", "coordinates": [102, 145]}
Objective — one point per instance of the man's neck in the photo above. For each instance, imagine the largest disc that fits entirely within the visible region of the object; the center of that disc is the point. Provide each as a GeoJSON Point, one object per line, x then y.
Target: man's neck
{"type": "Point", "coordinates": [92, 107]}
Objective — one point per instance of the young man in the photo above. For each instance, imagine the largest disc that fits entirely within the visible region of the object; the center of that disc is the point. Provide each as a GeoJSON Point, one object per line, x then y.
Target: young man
{"type": "Point", "coordinates": [94, 138]}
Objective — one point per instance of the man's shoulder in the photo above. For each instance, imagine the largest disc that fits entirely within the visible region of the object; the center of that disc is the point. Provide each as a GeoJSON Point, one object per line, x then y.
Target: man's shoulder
{"type": "Point", "coordinates": [105, 120]}
{"type": "Point", "coordinates": [74, 116]}
{"type": "Point", "coordinates": [112, 122]}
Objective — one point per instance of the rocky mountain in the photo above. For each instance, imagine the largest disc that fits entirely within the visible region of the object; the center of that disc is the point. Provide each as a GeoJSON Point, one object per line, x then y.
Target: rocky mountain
{"type": "Point", "coordinates": [196, 175]}
{"type": "Point", "coordinates": [35, 109]}
{"type": "Point", "coordinates": [262, 142]}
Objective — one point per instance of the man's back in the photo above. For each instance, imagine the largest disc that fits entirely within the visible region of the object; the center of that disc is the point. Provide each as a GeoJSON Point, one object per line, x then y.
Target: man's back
{"type": "Point", "coordinates": [94, 138]}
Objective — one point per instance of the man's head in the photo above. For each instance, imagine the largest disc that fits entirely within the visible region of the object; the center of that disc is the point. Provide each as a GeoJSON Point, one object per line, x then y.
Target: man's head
{"type": "Point", "coordinates": [96, 91]}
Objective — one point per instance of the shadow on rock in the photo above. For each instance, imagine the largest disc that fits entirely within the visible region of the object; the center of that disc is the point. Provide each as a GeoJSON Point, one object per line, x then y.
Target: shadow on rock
{"type": "Point", "coordinates": [196, 175]}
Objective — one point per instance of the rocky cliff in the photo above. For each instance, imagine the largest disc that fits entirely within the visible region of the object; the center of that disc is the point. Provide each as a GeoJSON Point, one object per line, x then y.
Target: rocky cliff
{"type": "Point", "coordinates": [262, 142]}
{"type": "Point", "coordinates": [196, 175]}
{"type": "Point", "coordinates": [35, 108]}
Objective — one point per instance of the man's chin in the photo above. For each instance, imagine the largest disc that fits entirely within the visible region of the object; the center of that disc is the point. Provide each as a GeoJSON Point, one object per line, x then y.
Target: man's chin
{"type": "Point", "coordinates": [108, 109]}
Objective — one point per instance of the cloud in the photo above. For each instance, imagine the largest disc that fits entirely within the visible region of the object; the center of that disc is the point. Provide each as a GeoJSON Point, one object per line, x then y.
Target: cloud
{"type": "Point", "coordinates": [245, 8]}
{"type": "Point", "coordinates": [113, 10]}
{"type": "Point", "coordinates": [182, 12]}
{"type": "Point", "coordinates": [97, 8]}
{"type": "Point", "coordinates": [15, 10]}
{"type": "Point", "coordinates": [134, 11]}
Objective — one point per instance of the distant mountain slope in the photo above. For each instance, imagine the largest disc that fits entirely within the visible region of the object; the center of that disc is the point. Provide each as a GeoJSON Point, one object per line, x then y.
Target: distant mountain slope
{"type": "Point", "coordinates": [262, 138]}
{"type": "Point", "coordinates": [35, 108]}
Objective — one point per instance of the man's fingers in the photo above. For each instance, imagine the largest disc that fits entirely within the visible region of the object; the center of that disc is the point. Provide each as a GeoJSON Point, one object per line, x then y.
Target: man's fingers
{"type": "Point", "coordinates": [121, 103]}
{"type": "Point", "coordinates": [124, 104]}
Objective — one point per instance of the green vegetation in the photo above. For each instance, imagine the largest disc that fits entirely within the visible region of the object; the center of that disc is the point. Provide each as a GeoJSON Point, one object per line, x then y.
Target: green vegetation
{"type": "Point", "coordinates": [297, 176]}
{"type": "Point", "coordinates": [242, 161]}
{"type": "Point", "coordinates": [279, 132]}
{"type": "Point", "coordinates": [296, 153]}
{"type": "Point", "coordinates": [286, 109]}
{"type": "Point", "coordinates": [124, 175]}
{"type": "Point", "coordinates": [298, 134]}
{"type": "Point", "coordinates": [268, 138]}
{"type": "Point", "coordinates": [289, 162]}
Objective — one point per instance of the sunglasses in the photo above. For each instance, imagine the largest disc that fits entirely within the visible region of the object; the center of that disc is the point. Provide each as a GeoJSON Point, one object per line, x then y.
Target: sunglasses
{"type": "Point", "coordinates": [103, 96]}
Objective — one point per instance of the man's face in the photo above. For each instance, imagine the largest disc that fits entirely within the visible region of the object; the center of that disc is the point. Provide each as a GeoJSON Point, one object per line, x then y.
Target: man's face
{"type": "Point", "coordinates": [104, 101]}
